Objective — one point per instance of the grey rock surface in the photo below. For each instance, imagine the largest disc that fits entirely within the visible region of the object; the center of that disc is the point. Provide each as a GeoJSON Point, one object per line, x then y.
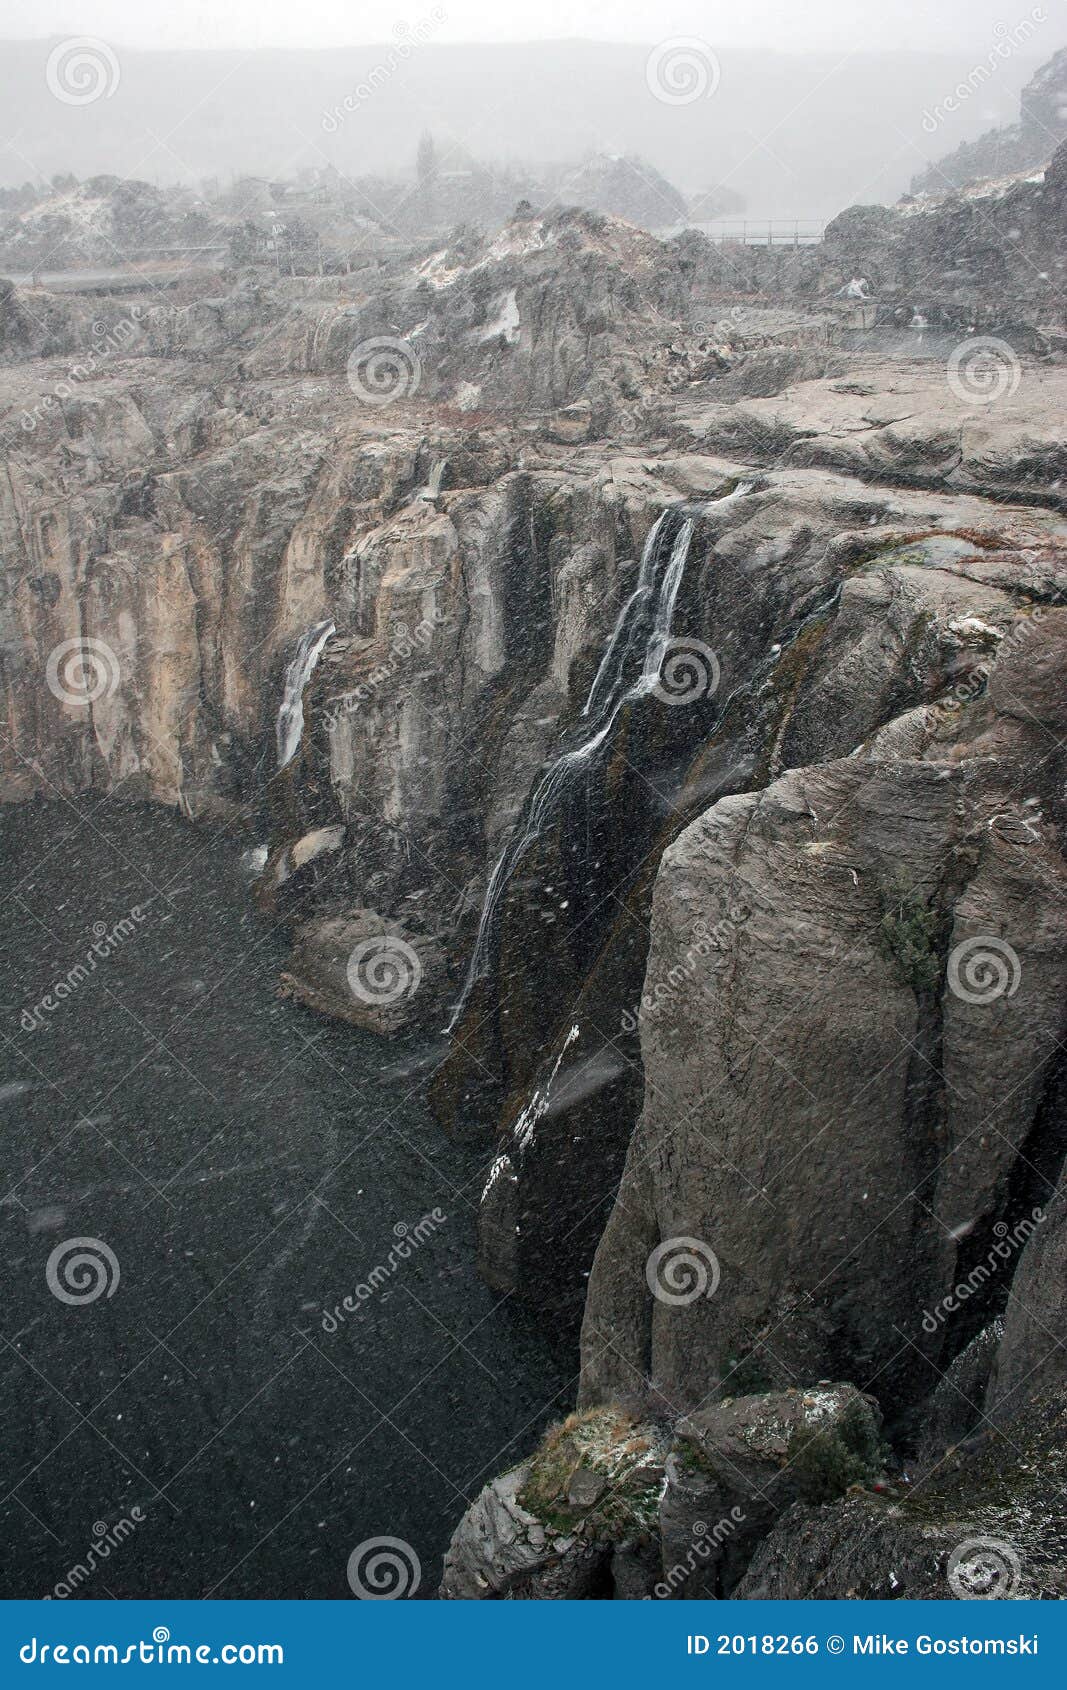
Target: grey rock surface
{"type": "Point", "coordinates": [859, 1062]}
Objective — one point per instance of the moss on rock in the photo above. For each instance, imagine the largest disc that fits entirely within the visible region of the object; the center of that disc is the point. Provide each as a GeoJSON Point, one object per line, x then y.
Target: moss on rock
{"type": "Point", "coordinates": [597, 1472]}
{"type": "Point", "coordinates": [826, 1461]}
{"type": "Point", "coordinates": [911, 935]}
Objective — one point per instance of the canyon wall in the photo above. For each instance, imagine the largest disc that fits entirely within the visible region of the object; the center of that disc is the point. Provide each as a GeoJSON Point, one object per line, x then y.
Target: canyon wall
{"type": "Point", "coordinates": [729, 665]}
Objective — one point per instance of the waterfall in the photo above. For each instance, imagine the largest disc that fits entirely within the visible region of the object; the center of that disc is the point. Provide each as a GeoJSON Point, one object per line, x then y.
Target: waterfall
{"type": "Point", "coordinates": [640, 634]}
{"type": "Point", "coordinates": [432, 489]}
{"type": "Point", "coordinates": [627, 628]}
{"type": "Point", "coordinates": [290, 723]}
{"type": "Point", "coordinates": [664, 617]}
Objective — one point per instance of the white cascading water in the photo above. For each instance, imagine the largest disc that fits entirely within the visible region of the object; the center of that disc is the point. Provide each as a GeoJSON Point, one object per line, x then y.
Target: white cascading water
{"type": "Point", "coordinates": [432, 489]}
{"type": "Point", "coordinates": [290, 723]}
{"type": "Point", "coordinates": [607, 696]}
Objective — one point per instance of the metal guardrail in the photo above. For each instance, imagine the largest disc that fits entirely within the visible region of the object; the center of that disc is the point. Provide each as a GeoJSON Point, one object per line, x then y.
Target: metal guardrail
{"type": "Point", "coordinates": [781, 231]}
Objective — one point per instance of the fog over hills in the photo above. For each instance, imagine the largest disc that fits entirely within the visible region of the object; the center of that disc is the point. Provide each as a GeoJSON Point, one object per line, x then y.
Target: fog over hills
{"type": "Point", "coordinates": [797, 135]}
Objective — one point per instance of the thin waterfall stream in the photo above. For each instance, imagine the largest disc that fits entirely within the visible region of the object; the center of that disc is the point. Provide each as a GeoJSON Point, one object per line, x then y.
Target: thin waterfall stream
{"type": "Point", "coordinates": [290, 724]}
{"type": "Point", "coordinates": [638, 641]}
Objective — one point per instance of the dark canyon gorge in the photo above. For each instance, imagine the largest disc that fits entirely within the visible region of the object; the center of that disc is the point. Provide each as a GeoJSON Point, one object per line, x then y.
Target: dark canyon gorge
{"type": "Point", "coordinates": [576, 719]}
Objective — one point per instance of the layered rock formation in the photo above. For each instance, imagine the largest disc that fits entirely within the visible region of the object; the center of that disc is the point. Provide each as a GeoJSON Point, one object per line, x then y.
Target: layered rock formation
{"type": "Point", "coordinates": [852, 1127]}
{"type": "Point", "coordinates": [671, 704]}
{"type": "Point", "coordinates": [913, 895]}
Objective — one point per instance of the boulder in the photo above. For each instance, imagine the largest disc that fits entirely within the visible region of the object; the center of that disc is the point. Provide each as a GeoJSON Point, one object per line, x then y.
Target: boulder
{"type": "Point", "coordinates": [580, 1513]}
{"type": "Point", "coordinates": [502, 1549]}
{"type": "Point", "coordinates": [991, 1524]}
{"type": "Point", "coordinates": [367, 970]}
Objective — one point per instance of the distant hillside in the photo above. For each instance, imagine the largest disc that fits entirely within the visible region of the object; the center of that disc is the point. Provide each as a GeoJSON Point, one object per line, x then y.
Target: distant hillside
{"type": "Point", "coordinates": [1014, 147]}
{"type": "Point", "coordinates": [795, 135]}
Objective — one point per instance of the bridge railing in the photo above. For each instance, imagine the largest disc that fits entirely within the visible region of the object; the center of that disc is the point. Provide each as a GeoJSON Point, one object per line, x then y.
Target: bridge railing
{"type": "Point", "coordinates": [779, 231]}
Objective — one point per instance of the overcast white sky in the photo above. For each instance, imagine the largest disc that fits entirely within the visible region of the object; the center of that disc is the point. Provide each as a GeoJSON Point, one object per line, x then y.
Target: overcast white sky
{"type": "Point", "coordinates": [957, 25]}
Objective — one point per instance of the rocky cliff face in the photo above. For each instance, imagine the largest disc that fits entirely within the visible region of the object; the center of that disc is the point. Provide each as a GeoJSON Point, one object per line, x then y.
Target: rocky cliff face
{"type": "Point", "coordinates": [846, 1162]}
{"type": "Point", "coordinates": [675, 712]}
{"type": "Point", "coordinates": [989, 258]}
{"type": "Point", "coordinates": [908, 1082]}
{"type": "Point", "coordinates": [1021, 146]}
{"type": "Point", "coordinates": [822, 638]}
{"type": "Point", "coordinates": [190, 485]}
